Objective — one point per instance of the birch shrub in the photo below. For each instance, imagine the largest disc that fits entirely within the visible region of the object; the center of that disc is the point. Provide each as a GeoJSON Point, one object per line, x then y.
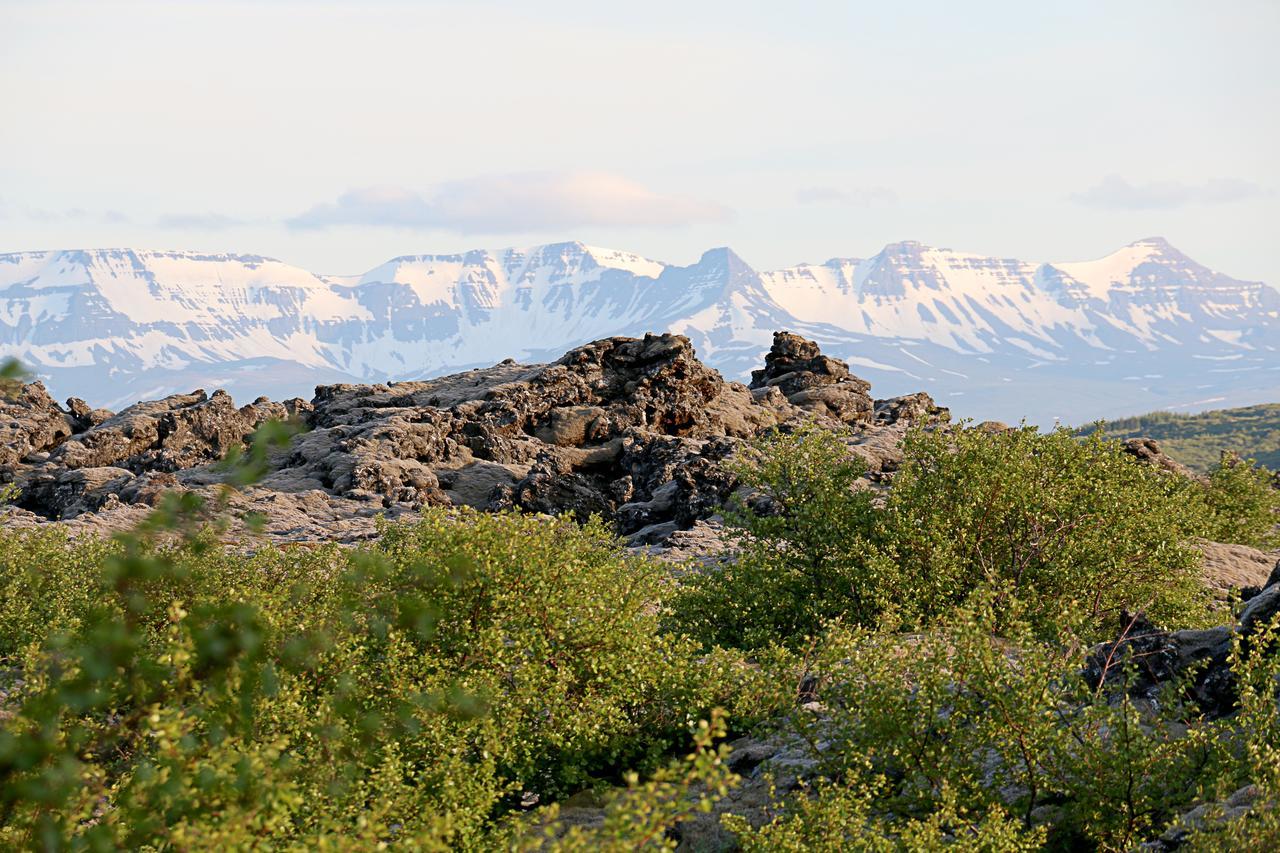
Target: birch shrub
{"type": "Point", "coordinates": [180, 694]}
{"type": "Point", "coordinates": [956, 737]}
{"type": "Point", "coordinates": [1066, 529]}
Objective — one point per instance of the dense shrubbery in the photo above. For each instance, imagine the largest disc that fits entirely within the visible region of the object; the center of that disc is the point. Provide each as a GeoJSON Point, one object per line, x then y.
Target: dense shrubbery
{"type": "Point", "coordinates": [428, 690]}
{"type": "Point", "coordinates": [1063, 527]}
{"type": "Point", "coordinates": [807, 552]}
{"type": "Point", "coordinates": [1000, 746]}
{"type": "Point", "coordinates": [1069, 529]}
{"type": "Point", "coordinates": [957, 736]}
{"type": "Point", "coordinates": [414, 690]}
{"type": "Point", "coordinates": [1239, 505]}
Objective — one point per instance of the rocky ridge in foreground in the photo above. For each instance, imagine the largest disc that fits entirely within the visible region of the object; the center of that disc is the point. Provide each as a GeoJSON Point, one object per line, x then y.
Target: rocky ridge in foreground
{"type": "Point", "coordinates": [635, 430]}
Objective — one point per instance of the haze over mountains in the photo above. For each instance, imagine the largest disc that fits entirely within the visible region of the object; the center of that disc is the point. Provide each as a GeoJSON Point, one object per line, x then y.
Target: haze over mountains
{"type": "Point", "coordinates": [1143, 328]}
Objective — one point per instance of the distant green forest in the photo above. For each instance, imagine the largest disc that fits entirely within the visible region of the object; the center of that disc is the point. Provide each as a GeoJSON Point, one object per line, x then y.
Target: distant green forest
{"type": "Point", "coordinates": [1198, 440]}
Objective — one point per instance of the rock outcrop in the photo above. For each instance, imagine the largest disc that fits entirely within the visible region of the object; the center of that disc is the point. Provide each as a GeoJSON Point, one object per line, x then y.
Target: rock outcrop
{"type": "Point", "coordinates": [636, 430]}
{"type": "Point", "coordinates": [173, 434]}
{"type": "Point", "coordinates": [31, 424]}
{"type": "Point", "coordinates": [1148, 450]}
{"type": "Point", "coordinates": [811, 381]}
{"type": "Point", "coordinates": [80, 460]}
{"type": "Point", "coordinates": [1236, 567]}
{"type": "Point", "coordinates": [1160, 657]}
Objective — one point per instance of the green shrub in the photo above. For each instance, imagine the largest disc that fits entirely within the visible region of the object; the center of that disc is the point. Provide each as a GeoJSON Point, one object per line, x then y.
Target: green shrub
{"type": "Point", "coordinates": [1069, 529]}
{"type": "Point", "coordinates": [1253, 758]}
{"type": "Point", "coordinates": [807, 558]}
{"type": "Point", "coordinates": [186, 695]}
{"type": "Point", "coordinates": [1062, 525]}
{"type": "Point", "coordinates": [1241, 505]}
{"type": "Point", "coordinates": [839, 817]}
{"type": "Point", "coordinates": [999, 744]}
{"type": "Point", "coordinates": [642, 815]}
{"type": "Point", "coordinates": [555, 628]}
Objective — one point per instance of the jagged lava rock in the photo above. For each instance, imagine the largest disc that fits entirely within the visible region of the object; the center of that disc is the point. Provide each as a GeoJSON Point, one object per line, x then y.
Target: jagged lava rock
{"type": "Point", "coordinates": [812, 381]}
{"type": "Point", "coordinates": [634, 429]}
{"type": "Point", "coordinates": [178, 432]}
{"type": "Point", "coordinates": [31, 422]}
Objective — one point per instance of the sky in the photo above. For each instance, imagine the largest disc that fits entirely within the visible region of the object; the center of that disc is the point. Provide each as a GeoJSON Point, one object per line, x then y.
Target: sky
{"type": "Point", "coordinates": [335, 136]}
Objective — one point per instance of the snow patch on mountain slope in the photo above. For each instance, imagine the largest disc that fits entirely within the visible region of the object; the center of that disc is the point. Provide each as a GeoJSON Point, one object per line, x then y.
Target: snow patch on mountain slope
{"type": "Point", "coordinates": [1098, 278]}
{"type": "Point", "coordinates": [1010, 332]}
{"type": "Point", "coordinates": [964, 301]}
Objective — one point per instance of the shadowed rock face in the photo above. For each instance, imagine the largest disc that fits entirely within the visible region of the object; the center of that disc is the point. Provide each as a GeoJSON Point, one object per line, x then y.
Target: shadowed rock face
{"type": "Point", "coordinates": [1159, 657]}
{"type": "Point", "coordinates": [812, 381]}
{"type": "Point", "coordinates": [634, 429]}
{"type": "Point", "coordinates": [31, 424]}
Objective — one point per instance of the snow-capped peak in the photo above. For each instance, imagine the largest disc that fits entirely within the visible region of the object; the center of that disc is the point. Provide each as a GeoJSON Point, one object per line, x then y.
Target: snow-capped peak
{"type": "Point", "coordinates": [163, 320]}
{"type": "Point", "coordinates": [1099, 277]}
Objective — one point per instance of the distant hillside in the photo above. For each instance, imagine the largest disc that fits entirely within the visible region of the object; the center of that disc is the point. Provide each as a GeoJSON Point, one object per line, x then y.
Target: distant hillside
{"type": "Point", "coordinates": [1197, 440]}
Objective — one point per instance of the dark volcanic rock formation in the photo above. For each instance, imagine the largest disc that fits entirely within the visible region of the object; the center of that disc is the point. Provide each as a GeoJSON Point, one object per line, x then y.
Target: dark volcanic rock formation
{"type": "Point", "coordinates": [812, 381]}
{"type": "Point", "coordinates": [1159, 657]}
{"type": "Point", "coordinates": [172, 434]}
{"type": "Point", "coordinates": [30, 424]}
{"type": "Point", "coordinates": [636, 430]}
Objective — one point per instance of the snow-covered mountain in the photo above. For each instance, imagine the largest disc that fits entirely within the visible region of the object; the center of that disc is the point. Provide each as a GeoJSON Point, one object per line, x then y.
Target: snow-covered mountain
{"type": "Point", "coordinates": [1143, 328]}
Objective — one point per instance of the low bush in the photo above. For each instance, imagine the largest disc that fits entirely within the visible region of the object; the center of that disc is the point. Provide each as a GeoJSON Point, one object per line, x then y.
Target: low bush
{"type": "Point", "coordinates": [837, 817]}
{"type": "Point", "coordinates": [182, 694]}
{"type": "Point", "coordinates": [643, 815]}
{"type": "Point", "coordinates": [805, 554]}
{"type": "Point", "coordinates": [1240, 504]}
{"type": "Point", "coordinates": [960, 737]}
{"type": "Point", "coordinates": [1070, 530]}
{"type": "Point", "coordinates": [1065, 527]}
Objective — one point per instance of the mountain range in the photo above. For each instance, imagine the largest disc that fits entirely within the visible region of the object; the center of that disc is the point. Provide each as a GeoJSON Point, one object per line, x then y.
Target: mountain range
{"type": "Point", "coordinates": [1143, 328]}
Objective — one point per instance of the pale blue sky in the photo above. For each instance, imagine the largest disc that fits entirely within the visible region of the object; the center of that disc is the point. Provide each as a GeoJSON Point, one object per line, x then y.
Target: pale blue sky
{"type": "Point", "coordinates": [335, 136]}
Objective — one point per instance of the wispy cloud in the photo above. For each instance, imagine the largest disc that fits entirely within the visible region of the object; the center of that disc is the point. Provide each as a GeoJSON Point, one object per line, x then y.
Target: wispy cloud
{"type": "Point", "coordinates": [72, 214]}
{"type": "Point", "coordinates": [31, 213]}
{"type": "Point", "coordinates": [1116, 193]}
{"type": "Point", "coordinates": [198, 221]}
{"type": "Point", "coordinates": [843, 195]}
{"type": "Point", "coordinates": [511, 203]}
{"type": "Point", "coordinates": [179, 221]}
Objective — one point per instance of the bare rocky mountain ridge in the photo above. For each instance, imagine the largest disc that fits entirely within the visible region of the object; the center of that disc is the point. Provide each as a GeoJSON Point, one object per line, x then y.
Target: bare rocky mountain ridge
{"type": "Point", "coordinates": [635, 430]}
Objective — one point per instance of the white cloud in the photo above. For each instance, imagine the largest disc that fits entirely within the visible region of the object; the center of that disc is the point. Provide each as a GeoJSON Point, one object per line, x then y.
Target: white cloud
{"type": "Point", "coordinates": [70, 215]}
{"type": "Point", "coordinates": [530, 201]}
{"type": "Point", "coordinates": [1116, 193]}
{"type": "Point", "coordinates": [840, 195]}
{"type": "Point", "coordinates": [198, 221]}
